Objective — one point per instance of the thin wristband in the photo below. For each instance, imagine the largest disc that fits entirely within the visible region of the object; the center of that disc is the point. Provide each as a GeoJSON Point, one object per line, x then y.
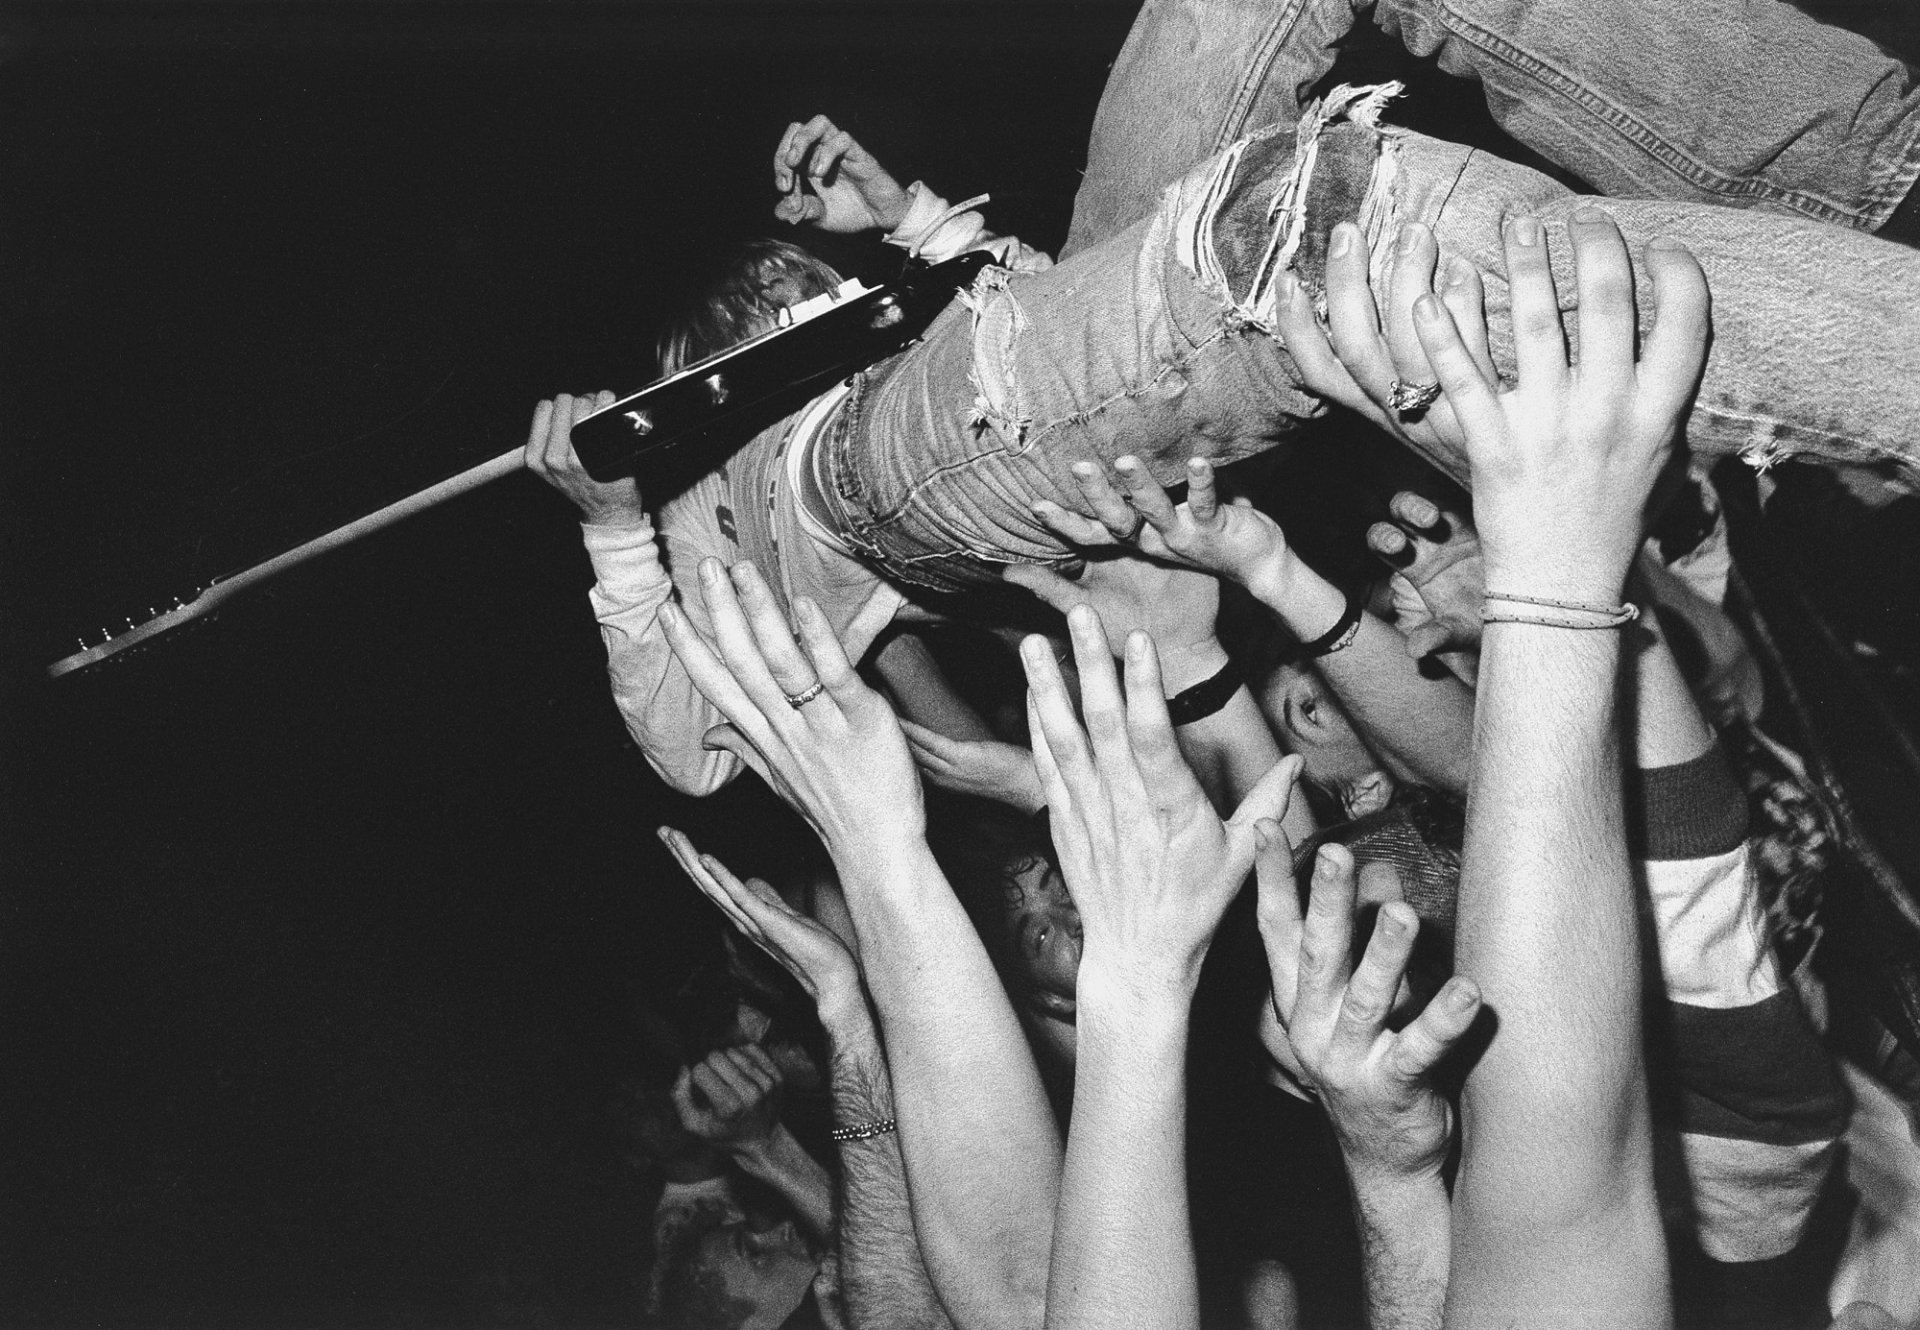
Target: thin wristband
{"type": "Point", "coordinates": [863, 1131]}
{"type": "Point", "coordinates": [1206, 697]}
{"type": "Point", "coordinates": [1546, 621]}
{"type": "Point", "coordinates": [1629, 609]}
{"type": "Point", "coordinates": [1344, 630]}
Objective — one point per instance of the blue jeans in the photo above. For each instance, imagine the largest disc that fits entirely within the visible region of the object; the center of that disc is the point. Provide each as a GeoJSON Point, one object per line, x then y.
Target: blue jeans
{"type": "Point", "coordinates": [1156, 341]}
{"type": "Point", "coordinates": [1746, 102]}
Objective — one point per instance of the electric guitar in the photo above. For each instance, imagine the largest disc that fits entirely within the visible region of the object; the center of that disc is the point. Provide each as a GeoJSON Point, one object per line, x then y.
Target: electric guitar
{"type": "Point", "coordinates": [817, 341]}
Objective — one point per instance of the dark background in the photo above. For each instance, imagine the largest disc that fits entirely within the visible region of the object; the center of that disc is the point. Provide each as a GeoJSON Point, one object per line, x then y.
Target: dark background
{"type": "Point", "coordinates": [327, 927]}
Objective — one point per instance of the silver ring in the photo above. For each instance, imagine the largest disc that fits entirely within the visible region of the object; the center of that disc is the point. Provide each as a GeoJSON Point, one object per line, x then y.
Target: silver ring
{"type": "Point", "coordinates": [1410, 399]}
{"type": "Point", "coordinates": [800, 699]}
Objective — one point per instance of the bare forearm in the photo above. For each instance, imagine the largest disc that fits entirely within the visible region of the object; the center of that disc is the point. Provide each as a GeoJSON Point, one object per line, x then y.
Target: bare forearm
{"type": "Point", "coordinates": [1418, 724]}
{"type": "Point", "coordinates": [1554, 1207]}
{"type": "Point", "coordinates": [1405, 1247]}
{"type": "Point", "coordinates": [1123, 1244]}
{"type": "Point", "coordinates": [976, 1133]}
{"type": "Point", "coordinates": [882, 1276]}
{"type": "Point", "coordinates": [1234, 747]}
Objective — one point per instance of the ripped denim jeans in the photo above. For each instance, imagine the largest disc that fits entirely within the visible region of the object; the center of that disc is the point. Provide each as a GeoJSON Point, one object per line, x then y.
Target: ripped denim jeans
{"type": "Point", "coordinates": [1752, 103]}
{"type": "Point", "coordinates": [1157, 341]}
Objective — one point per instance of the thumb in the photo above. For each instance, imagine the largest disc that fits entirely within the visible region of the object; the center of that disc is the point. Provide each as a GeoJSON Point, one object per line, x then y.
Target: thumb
{"type": "Point", "coordinates": [1270, 798]}
{"type": "Point", "coordinates": [1278, 914]}
{"type": "Point", "coordinates": [1428, 638]}
{"type": "Point", "coordinates": [727, 739]}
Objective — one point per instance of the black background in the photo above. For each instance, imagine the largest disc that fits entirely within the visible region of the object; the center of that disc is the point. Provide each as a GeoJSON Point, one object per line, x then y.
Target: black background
{"type": "Point", "coordinates": [327, 926]}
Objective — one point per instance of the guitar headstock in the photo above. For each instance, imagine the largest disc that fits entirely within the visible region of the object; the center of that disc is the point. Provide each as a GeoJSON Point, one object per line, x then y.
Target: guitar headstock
{"type": "Point", "coordinates": [113, 642]}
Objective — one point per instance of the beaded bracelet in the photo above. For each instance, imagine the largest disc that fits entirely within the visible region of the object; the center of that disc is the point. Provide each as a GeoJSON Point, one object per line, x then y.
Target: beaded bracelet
{"type": "Point", "coordinates": [863, 1131]}
{"type": "Point", "coordinates": [1607, 616]}
{"type": "Point", "coordinates": [1344, 630]}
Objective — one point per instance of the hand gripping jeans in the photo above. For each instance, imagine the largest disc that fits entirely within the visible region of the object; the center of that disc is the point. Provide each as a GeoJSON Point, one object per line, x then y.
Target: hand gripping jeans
{"type": "Point", "coordinates": [1745, 102]}
{"type": "Point", "coordinates": [1157, 341]}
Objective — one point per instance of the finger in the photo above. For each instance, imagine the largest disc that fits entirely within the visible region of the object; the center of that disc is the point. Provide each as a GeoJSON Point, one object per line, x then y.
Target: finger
{"type": "Point", "coordinates": [727, 739]}
{"type": "Point", "coordinates": [803, 142]}
{"type": "Point", "coordinates": [1465, 296]}
{"type": "Point", "coordinates": [1271, 795]}
{"type": "Point", "coordinates": [1375, 982]}
{"type": "Point", "coordinates": [1327, 933]}
{"type": "Point", "coordinates": [1150, 728]}
{"type": "Point", "coordinates": [764, 1066]}
{"type": "Point", "coordinates": [829, 658]}
{"type": "Point", "coordinates": [1320, 367]}
{"type": "Point", "coordinates": [534, 456]}
{"type": "Point", "coordinates": [1278, 913]}
{"type": "Point", "coordinates": [1109, 506]}
{"type": "Point", "coordinates": [1604, 279]}
{"type": "Point", "coordinates": [1068, 752]}
{"type": "Point", "coordinates": [739, 648]}
{"type": "Point", "coordinates": [713, 1086]}
{"type": "Point", "coordinates": [682, 1094]}
{"type": "Point", "coordinates": [710, 674]}
{"type": "Point", "coordinates": [827, 156]}
{"type": "Point", "coordinates": [1203, 500]}
{"type": "Point", "coordinates": [1418, 1049]}
{"type": "Point", "coordinates": [1540, 345]}
{"type": "Point", "coordinates": [1389, 542]}
{"type": "Point", "coordinates": [1416, 510]}
{"type": "Point", "coordinates": [1105, 712]}
{"type": "Point", "coordinates": [782, 171]}
{"type": "Point", "coordinates": [1676, 348]}
{"type": "Point", "coordinates": [1144, 493]}
{"type": "Point", "coordinates": [1414, 256]}
{"type": "Point", "coordinates": [693, 864]}
{"type": "Point", "coordinates": [1472, 397]}
{"type": "Point", "coordinates": [1071, 527]}
{"type": "Point", "coordinates": [1353, 320]}
{"type": "Point", "coordinates": [1045, 584]}
{"type": "Point", "coordinates": [791, 670]}
{"type": "Point", "coordinates": [1428, 638]}
{"type": "Point", "coordinates": [755, 1068]}
{"type": "Point", "coordinates": [1064, 821]}
{"type": "Point", "coordinates": [553, 448]}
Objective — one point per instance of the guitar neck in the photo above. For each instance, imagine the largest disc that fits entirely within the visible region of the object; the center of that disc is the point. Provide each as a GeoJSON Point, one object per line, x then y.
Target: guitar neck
{"type": "Point", "coordinates": [226, 588]}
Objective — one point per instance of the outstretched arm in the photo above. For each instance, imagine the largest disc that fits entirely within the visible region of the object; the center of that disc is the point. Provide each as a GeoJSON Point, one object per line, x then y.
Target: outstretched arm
{"type": "Point", "coordinates": [1152, 868]}
{"type": "Point", "coordinates": [1555, 1218]}
{"type": "Point", "coordinates": [883, 1280]}
{"type": "Point", "coordinates": [982, 1153]}
{"type": "Point", "coordinates": [1393, 1126]}
{"type": "Point", "coordinates": [663, 711]}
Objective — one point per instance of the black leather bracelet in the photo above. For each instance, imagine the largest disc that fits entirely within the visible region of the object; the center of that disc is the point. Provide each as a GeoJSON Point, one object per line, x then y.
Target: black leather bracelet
{"type": "Point", "coordinates": [1205, 697]}
{"type": "Point", "coordinates": [1341, 635]}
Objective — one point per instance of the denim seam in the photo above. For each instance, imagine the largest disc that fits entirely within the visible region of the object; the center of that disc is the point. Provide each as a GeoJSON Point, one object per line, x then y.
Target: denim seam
{"type": "Point", "coordinates": [1034, 436]}
{"type": "Point", "coordinates": [1771, 440]}
{"type": "Point", "coordinates": [1646, 138]}
{"type": "Point", "coordinates": [1233, 123]}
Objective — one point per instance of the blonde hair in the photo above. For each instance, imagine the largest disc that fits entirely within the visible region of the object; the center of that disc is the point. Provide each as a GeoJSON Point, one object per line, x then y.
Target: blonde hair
{"type": "Point", "coordinates": [761, 278]}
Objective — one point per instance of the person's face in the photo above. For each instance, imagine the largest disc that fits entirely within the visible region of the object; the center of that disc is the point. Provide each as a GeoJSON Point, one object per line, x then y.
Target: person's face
{"type": "Point", "coordinates": [1045, 927]}
{"type": "Point", "coordinates": [1311, 722]}
{"type": "Point", "coordinates": [769, 1267]}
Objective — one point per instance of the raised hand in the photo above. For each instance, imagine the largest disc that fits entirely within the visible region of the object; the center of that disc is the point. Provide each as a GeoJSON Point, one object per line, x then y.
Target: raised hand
{"type": "Point", "coordinates": [984, 768]}
{"type": "Point", "coordinates": [1353, 362]}
{"type": "Point", "coordinates": [550, 456]}
{"type": "Point", "coordinates": [1175, 606]}
{"type": "Point", "coordinates": [727, 1099]}
{"type": "Point", "coordinates": [799, 715]}
{"type": "Point", "coordinates": [1565, 463]}
{"type": "Point", "coordinates": [1438, 580]}
{"type": "Point", "coordinates": [1150, 865]}
{"type": "Point", "coordinates": [803, 947]}
{"type": "Point", "coordinates": [1233, 540]}
{"type": "Point", "coordinates": [828, 180]}
{"type": "Point", "coordinates": [1374, 1081]}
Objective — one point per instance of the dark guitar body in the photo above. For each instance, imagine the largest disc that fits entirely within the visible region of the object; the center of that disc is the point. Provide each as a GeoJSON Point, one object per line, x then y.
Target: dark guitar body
{"type": "Point", "coordinates": [771, 376]}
